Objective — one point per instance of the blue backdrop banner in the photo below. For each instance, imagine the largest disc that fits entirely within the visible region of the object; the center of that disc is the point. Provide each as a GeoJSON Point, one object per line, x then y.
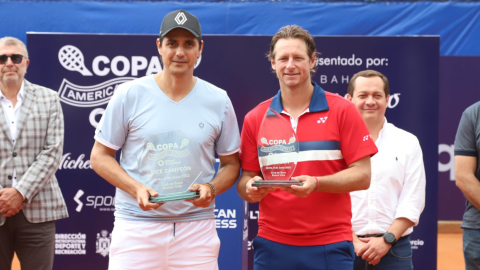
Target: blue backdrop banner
{"type": "Point", "coordinates": [86, 69]}
{"type": "Point", "coordinates": [456, 22]}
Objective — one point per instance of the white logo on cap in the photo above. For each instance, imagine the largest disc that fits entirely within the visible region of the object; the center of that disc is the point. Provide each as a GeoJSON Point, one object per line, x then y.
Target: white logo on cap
{"type": "Point", "coordinates": [181, 18]}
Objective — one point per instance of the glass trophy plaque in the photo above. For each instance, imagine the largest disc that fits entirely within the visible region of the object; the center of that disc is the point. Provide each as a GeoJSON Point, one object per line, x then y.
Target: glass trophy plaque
{"type": "Point", "coordinates": [168, 164]}
{"type": "Point", "coordinates": [278, 149]}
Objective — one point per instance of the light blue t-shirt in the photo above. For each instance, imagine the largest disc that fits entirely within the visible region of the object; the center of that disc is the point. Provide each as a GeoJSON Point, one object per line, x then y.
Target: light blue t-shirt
{"type": "Point", "coordinates": [163, 141]}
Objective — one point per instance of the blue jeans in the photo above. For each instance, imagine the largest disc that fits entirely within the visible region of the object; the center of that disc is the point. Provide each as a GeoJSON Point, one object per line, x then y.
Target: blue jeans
{"type": "Point", "coordinates": [471, 249]}
{"type": "Point", "coordinates": [269, 255]}
{"type": "Point", "coordinates": [399, 257]}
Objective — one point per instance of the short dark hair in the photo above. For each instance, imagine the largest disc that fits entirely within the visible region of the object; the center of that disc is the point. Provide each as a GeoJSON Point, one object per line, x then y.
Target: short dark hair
{"type": "Point", "coordinates": [292, 32]}
{"type": "Point", "coordinates": [199, 41]}
{"type": "Point", "coordinates": [367, 74]}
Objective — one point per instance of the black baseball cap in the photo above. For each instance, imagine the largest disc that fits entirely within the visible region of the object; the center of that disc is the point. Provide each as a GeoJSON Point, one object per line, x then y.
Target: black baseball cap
{"type": "Point", "coordinates": [181, 19]}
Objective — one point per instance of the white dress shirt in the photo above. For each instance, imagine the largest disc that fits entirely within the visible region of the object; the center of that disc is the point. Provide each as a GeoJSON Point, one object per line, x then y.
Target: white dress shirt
{"type": "Point", "coordinates": [397, 187]}
{"type": "Point", "coordinates": [11, 116]}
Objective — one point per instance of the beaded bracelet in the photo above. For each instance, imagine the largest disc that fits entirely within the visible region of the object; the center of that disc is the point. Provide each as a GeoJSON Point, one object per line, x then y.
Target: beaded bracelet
{"type": "Point", "coordinates": [212, 188]}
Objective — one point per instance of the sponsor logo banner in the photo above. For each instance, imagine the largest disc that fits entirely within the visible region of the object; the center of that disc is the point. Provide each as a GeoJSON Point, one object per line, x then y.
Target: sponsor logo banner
{"type": "Point", "coordinates": [70, 244]}
{"type": "Point", "coordinates": [89, 96]}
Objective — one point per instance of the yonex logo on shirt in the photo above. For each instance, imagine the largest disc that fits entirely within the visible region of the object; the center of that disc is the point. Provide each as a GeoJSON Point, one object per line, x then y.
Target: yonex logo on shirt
{"type": "Point", "coordinates": [322, 120]}
{"type": "Point", "coordinates": [365, 138]}
{"type": "Point", "coordinates": [181, 18]}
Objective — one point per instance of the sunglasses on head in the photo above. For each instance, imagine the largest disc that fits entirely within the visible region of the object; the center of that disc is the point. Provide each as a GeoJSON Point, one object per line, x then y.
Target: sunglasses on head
{"type": "Point", "coordinates": [16, 58]}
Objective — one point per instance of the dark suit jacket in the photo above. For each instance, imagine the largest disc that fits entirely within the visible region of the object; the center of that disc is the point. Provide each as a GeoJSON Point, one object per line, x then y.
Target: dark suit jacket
{"type": "Point", "coordinates": [35, 154]}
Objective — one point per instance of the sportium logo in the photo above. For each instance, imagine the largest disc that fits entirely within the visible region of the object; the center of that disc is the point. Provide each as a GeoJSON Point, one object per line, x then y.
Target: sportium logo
{"type": "Point", "coordinates": [98, 202]}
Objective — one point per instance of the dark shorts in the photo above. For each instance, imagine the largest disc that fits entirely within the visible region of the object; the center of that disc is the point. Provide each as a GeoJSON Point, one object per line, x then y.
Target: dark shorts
{"type": "Point", "coordinates": [271, 255]}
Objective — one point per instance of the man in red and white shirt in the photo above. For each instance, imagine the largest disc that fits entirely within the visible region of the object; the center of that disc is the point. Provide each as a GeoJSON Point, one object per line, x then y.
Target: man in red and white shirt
{"type": "Point", "coordinates": [308, 226]}
{"type": "Point", "coordinates": [384, 215]}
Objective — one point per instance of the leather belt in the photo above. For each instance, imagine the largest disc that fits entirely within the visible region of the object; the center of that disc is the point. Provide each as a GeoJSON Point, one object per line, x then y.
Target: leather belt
{"type": "Point", "coordinates": [380, 235]}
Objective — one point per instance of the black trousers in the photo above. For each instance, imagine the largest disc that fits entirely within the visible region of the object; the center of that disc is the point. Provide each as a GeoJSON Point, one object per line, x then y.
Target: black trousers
{"type": "Point", "coordinates": [34, 243]}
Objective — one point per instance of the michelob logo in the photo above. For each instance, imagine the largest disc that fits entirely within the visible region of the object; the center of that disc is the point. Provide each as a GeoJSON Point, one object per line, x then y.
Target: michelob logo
{"type": "Point", "coordinates": [89, 96]}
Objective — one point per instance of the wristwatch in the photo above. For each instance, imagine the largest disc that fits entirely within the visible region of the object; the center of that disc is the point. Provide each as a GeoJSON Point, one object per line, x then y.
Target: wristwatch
{"type": "Point", "coordinates": [390, 238]}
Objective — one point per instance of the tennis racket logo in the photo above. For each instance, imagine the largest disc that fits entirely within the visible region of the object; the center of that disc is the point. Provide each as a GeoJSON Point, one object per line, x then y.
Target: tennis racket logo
{"type": "Point", "coordinates": [71, 58]}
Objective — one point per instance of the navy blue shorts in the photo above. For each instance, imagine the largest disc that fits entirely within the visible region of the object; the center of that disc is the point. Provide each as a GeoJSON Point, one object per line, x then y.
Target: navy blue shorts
{"type": "Point", "coordinates": [269, 255]}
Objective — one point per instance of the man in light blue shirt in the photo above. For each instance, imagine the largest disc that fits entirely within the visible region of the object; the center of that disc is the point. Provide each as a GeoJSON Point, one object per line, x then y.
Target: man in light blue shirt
{"type": "Point", "coordinates": [179, 121]}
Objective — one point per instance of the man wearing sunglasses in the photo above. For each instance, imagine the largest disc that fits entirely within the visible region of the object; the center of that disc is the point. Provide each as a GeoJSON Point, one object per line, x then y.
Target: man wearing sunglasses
{"type": "Point", "coordinates": [31, 145]}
